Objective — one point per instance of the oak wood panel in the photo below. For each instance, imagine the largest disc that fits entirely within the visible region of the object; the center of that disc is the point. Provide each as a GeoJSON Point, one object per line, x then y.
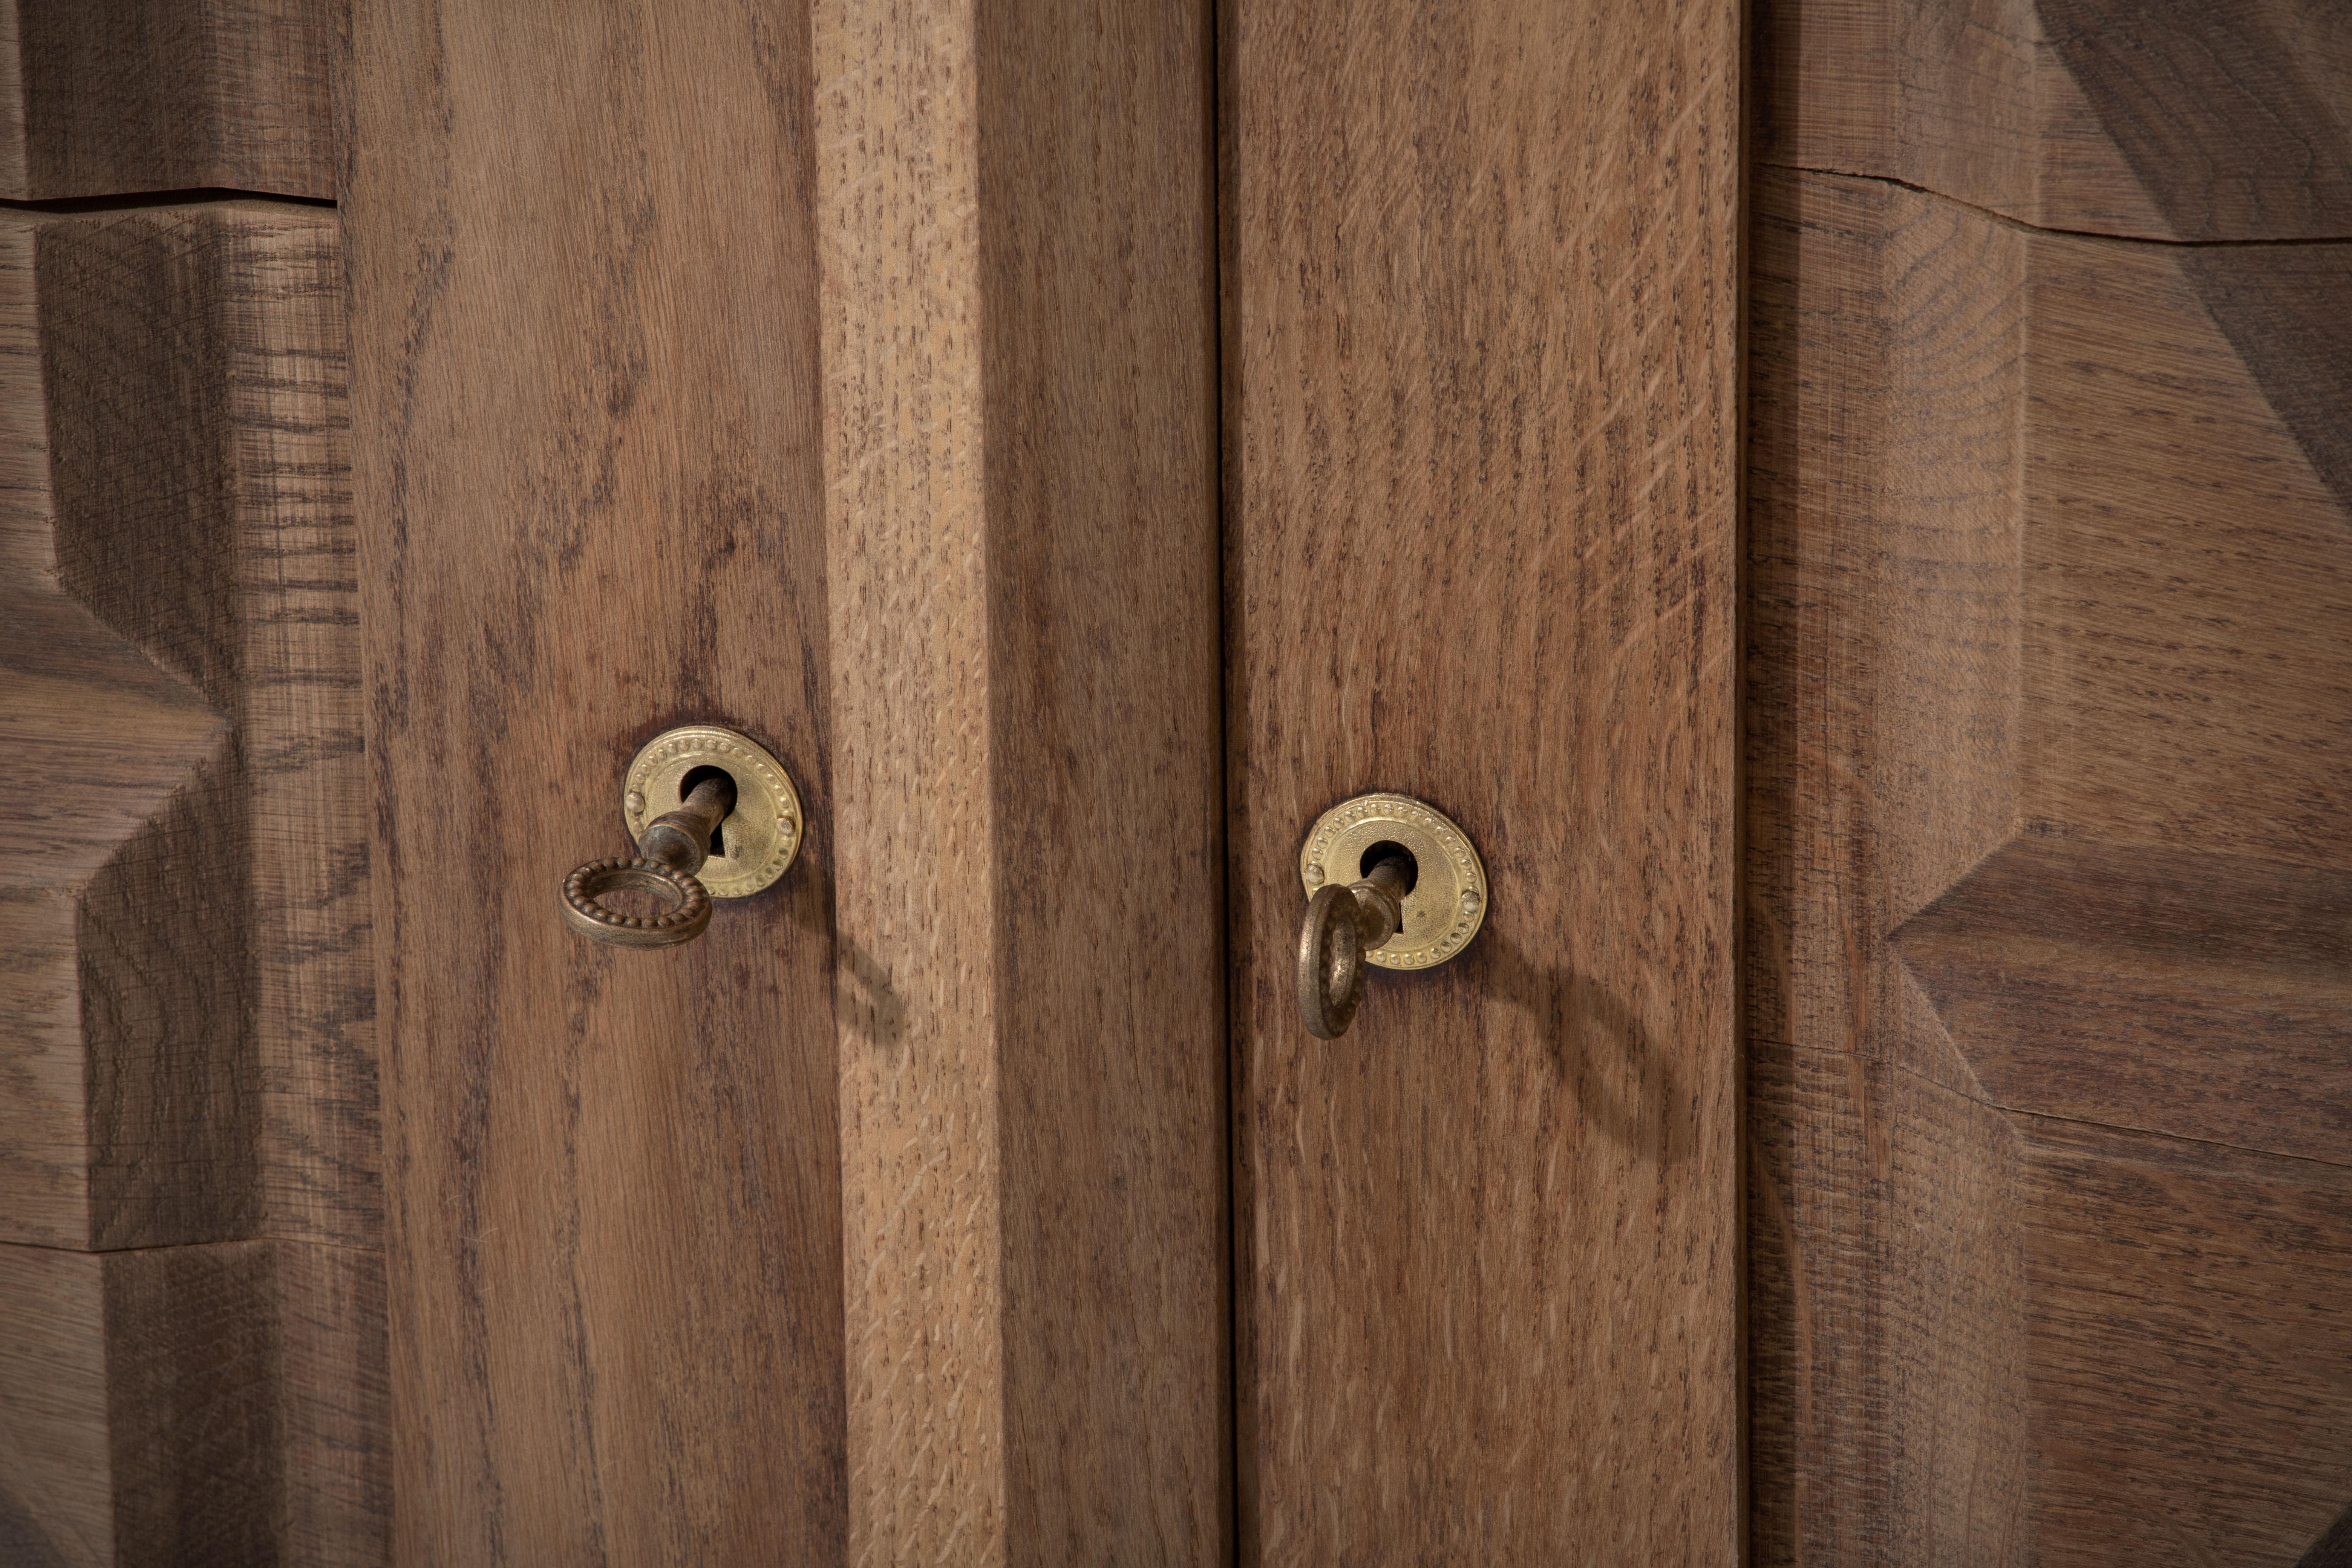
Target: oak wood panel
{"type": "Point", "coordinates": [2192, 1315]}
{"type": "Point", "coordinates": [100, 743]}
{"type": "Point", "coordinates": [1481, 282]}
{"type": "Point", "coordinates": [2176, 119]}
{"type": "Point", "coordinates": [1886, 1217]}
{"type": "Point", "coordinates": [184, 493]}
{"type": "Point", "coordinates": [2187, 587]}
{"type": "Point", "coordinates": [221, 539]}
{"type": "Point", "coordinates": [584, 332]}
{"type": "Point", "coordinates": [59, 1505]}
{"type": "Point", "coordinates": [2048, 719]}
{"type": "Point", "coordinates": [1020, 423]}
{"type": "Point", "coordinates": [1885, 659]}
{"type": "Point", "coordinates": [109, 96]}
{"type": "Point", "coordinates": [2200, 995]}
{"type": "Point", "coordinates": [187, 995]}
{"type": "Point", "coordinates": [2080, 1345]}
{"type": "Point", "coordinates": [191, 1405]}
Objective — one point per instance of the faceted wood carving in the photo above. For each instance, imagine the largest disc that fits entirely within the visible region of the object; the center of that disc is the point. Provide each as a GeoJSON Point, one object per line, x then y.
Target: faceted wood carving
{"type": "Point", "coordinates": [104, 98]}
{"type": "Point", "coordinates": [187, 1111]}
{"type": "Point", "coordinates": [2051, 713]}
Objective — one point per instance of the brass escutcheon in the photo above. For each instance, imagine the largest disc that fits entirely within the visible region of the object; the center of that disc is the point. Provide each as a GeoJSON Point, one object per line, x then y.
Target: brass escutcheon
{"type": "Point", "coordinates": [758, 840]}
{"type": "Point", "coordinates": [1448, 901]}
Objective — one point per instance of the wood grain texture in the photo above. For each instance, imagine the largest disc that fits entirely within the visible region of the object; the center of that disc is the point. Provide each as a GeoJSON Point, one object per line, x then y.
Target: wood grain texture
{"type": "Point", "coordinates": [109, 97]}
{"type": "Point", "coordinates": [584, 329]}
{"type": "Point", "coordinates": [187, 993]}
{"type": "Point", "coordinates": [2176, 119]}
{"type": "Point", "coordinates": [191, 1405]}
{"type": "Point", "coordinates": [1886, 1216]}
{"type": "Point", "coordinates": [2199, 995]}
{"type": "Point", "coordinates": [83, 704]}
{"type": "Point", "coordinates": [2191, 1316]}
{"type": "Point", "coordinates": [1022, 513]}
{"type": "Point", "coordinates": [2049, 712]}
{"type": "Point", "coordinates": [1480, 355]}
{"type": "Point", "coordinates": [57, 1506]}
{"type": "Point", "coordinates": [184, 488]}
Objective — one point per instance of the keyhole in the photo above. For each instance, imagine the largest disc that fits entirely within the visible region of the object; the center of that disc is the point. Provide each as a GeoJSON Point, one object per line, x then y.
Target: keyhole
{"type": "Point", "coordinates": [700, 775]}
{"type": "Point", "coordinates": [1389, 850]}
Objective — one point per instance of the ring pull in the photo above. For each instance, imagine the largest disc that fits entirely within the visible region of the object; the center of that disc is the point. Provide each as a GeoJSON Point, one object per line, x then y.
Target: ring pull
{"type": "Point", "coordinates": [672, 848]}
{"type": "Point", "coordinates": [1342, 925]}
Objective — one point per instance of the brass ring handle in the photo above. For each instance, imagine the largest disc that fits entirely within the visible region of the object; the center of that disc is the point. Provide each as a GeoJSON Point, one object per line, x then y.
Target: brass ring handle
{"type": "Point", "coordinates": [689, 913]}
{"type": "Point", "coordinates": [1342, 925]}
{"type": "Point", "coordinates": [674, 847]}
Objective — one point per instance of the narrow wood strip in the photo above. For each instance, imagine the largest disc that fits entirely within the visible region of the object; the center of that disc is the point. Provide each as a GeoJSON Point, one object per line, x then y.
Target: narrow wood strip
{"type": "Point", "coordinates": [1023, 554]}
{"type": "Point", "coordinates": [922, 1217]}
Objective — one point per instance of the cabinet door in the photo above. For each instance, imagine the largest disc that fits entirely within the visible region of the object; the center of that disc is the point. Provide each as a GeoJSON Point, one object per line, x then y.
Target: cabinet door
{"type": "Point", "coordinates": [841, 375]}
{"type": "Point", "coordinates": [1481, 446]}
{"type": "Point", "coordinates": [2049, 846]}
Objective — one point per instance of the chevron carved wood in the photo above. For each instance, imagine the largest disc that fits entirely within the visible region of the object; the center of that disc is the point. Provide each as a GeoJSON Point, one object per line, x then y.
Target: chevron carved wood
{"type": "Point", "coordinates": [2051, 932]}
{"type": "Point", "coordinates": [187, 1136]}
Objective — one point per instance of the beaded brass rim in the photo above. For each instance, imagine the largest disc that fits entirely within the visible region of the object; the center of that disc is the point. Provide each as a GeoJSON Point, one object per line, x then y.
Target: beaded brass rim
{"type": "Point", "coordinates": [761, 837]}
{"type": "Point", "coordinates": [1448, 902]}
{"type": "Point", "coordinates": [683, 922]}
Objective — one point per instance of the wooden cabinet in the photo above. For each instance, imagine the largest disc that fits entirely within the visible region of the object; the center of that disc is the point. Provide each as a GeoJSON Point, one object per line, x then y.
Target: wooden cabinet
{"type": "Point", "coordinates": [1843, 505]}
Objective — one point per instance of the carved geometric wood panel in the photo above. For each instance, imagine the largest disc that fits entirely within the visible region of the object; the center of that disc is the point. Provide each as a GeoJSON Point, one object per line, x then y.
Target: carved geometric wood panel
{"type": "Point", "coordinates": [2051, 860]}
{"type": "Point", "coordinates": [2162, 119]}
{"type": "Point", "coordinates": [187, 1130]}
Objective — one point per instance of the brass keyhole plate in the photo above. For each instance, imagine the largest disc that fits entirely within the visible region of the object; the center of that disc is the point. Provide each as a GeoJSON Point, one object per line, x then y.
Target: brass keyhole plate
{"type": "Point", "coordinates": [1448, 902]}
{"type": "Point", "coordinates": [763, 835]}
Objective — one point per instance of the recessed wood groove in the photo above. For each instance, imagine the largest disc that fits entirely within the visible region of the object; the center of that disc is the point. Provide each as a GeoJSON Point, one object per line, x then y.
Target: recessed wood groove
{"type": "Point", "coordinates": [133, 201]}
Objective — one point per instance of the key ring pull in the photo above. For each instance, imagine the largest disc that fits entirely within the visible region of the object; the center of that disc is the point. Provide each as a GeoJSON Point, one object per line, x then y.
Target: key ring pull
{"type": "Point", "coordinates": [674, 848]}
{"type": "Point", "coordinates": [1342, 925]}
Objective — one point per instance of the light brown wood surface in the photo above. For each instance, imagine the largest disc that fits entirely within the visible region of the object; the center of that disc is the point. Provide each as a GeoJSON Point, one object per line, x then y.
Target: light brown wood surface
{"type": "Point", "coordinates": [585, 384]}
{"type": "Point", "coordinates": [1021, 466]}
{"type": "Point", "coordinates": [2164, 119]}
{"type": "Point", "coordinates": [187, 995]}
{"type": "Point", "coordinates": [103, 98]}
{"type": "Point", "coordinates": [1481, 290]}
{"type": "Point", "coordinates": [589, 329]}
{"type": "Point", "coordinates": [2050, 875]}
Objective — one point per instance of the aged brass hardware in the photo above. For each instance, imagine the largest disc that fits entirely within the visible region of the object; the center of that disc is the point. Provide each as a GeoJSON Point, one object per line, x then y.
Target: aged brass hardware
{"type": "Point", "coordinates": [675, 847]}
{"type": "Point", "coordinates": [1391, 882]}
{"type": "Point", "coordinates": [735, 830]}
{"type": "Point", "coordinates": [1342, 925]}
